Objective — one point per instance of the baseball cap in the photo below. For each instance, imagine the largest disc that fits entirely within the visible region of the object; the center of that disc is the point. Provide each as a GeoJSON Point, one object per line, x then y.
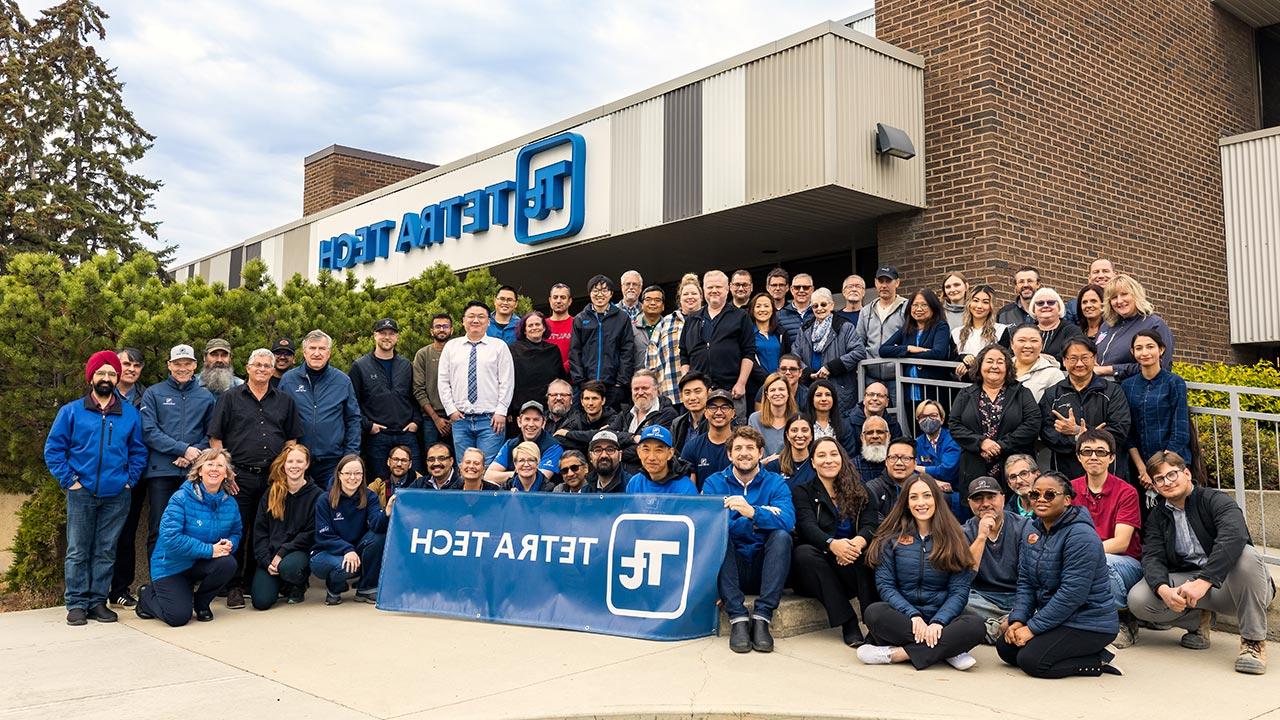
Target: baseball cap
{"type": "Point", "coordinates": [888, 271]}
{"type": "Point", "coordinates": [217, 344]}
{"type": "Point", "coordinates": [283, 345]}
{"type": "Point", "coordinates": [533, 405]}
{"type": "Point", "coordinates": [604, 436]}
{"type": "Point", "coordinates": [182, 352]}
{"type": "Point", "coordinates": [386, 324]}
{"type": "Point", "coordinates": [984, 484]}
{"type": "Point", "coordinates": [653, 432]}
{"type": "Point", "coordinates": [718, 394]}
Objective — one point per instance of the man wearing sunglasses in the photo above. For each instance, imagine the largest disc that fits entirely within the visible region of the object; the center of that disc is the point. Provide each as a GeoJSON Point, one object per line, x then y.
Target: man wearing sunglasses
{"type": "Point", "coordinates": [1117, 516]}
{"type": "Point", "coordinates": [795, 313]}
{"type": "Point", "coordinates": [573, 470]}
{"type": "Point", "coordinates": [1198, 560]}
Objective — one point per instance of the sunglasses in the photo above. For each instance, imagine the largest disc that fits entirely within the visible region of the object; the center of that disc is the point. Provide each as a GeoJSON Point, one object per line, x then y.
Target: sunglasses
{"type": "Point", "coordinates": [571, 468]}
{"type": "Point", "coordinates": [1046, 303]}
{"type": "Point", "coordinates": [1048, 495]}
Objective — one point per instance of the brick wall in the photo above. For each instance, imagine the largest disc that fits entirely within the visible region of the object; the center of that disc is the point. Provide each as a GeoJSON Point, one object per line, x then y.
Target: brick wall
{"type": "Point", "coordinates": [337, 174]}
{"type": "Point", "coordinates": [1058, 132]}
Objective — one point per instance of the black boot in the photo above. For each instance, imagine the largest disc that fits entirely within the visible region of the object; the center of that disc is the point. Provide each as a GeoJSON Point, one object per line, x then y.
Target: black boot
{"type": "Point", "coordinates": [852, 633]}
{"type": "Point", "coordinates": [740, 636]}
{"type": "Point", "coordinates": [761, 639]}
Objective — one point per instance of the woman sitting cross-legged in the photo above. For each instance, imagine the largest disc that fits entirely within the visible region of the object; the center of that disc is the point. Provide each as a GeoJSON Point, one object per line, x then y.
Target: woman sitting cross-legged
{"type": "Point", "coordinates": [1064, 614]}
{"type": "Point", "coordinates": [285, 530]}
{"type": "Point", "coordinates": [199, 531]}
{"type": "Point", "coordinates": [923, 572]}
{"type": "Point", "coordinates": [351, 529]}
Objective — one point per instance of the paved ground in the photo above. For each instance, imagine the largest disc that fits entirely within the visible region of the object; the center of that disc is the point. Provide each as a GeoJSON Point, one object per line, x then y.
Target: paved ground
{"type": "Point", "coordinates": [351, 661]}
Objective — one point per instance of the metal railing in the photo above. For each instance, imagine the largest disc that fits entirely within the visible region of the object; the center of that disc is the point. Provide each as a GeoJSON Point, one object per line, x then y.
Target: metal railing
{"type": "Point", "coordinates": [1239, 437]}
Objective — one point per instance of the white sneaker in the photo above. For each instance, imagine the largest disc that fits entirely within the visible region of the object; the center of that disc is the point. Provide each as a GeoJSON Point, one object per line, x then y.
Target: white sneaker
{"type": "Point", "coordinates": [875, 654]}
{"type": "Point", "coordinates": [963, 661]}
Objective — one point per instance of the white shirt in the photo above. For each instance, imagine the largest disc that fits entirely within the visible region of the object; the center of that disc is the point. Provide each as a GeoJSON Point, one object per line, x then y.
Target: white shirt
{"type": "Point", "coordinates": [495, 376]}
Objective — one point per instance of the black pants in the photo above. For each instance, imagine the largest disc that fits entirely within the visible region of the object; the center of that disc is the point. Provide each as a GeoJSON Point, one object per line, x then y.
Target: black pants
{"type": "Point", "coordinates": [159, 490]}
{"type": "Point", "coordinates": [890, 627]}
{"type": "Point", "coordinates": [251, 489]}
{"type": "Point", "coordinates": [126, 550]}
{"type": "Point", "coordinates": [294, 570]}
{"type": "Point", "coordinates": [173, 598]}
{"type": "Point", "coordinates": [816, 574]}
{"type": "Point", "coordinates": [1060, 652]}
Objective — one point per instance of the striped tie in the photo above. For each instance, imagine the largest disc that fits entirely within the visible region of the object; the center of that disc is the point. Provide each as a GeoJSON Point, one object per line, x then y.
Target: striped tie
{"type": "Point", "coordinates": [473, 382]}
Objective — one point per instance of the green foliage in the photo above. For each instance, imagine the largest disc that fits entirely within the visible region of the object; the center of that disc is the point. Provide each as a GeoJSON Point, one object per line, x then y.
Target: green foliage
{"type": "Point", "coordinates": [1264, 374]}
{"type": "Point", "coordinates": [40, 545]}
{"type": "Point", "coordinates": [1258, 439]}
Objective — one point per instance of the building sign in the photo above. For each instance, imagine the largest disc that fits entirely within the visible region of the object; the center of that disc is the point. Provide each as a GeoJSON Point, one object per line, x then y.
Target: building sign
{"type": "Point", "coordinates": [534, 200]}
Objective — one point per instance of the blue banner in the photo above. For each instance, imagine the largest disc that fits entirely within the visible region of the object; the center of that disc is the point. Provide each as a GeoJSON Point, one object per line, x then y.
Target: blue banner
{"type": "Point", "coordinates": [638, 565]}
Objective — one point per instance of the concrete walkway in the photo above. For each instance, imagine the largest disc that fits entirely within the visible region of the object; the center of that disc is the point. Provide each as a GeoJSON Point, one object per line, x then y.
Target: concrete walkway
{"type": "Point", "coordinates": [352, 661]}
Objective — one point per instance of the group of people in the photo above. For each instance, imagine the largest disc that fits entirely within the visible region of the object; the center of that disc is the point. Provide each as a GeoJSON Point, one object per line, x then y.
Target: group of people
{"type": "Point", "coordinates": [257, 485]}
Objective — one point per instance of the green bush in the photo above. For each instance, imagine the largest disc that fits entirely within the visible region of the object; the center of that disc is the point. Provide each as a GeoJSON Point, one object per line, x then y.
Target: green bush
{"type": "Point", "coordinates": [40, 544]}
{"type": "Point", "coordinates": [1261, 375]}
{"type": "Point", "coordinates": [1261, 455]}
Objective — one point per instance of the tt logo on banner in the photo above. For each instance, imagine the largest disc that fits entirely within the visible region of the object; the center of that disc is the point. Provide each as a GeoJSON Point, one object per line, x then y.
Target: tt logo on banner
{"type": "Point", "coordinates": [650, 563]}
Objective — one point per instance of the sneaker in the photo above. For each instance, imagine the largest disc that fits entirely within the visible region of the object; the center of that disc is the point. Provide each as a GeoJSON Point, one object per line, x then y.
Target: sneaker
{"type": "Point", "coordinates": [1198, 639]}
{"type": "Point", "coordinates": [296, 594]}
{"type": "Point", "coordinates": [124, 600]}
{"type": "Point", "coordinates": [875, 654]}
{"type": "Point", "coordinates": [235, 598]}
{"type": "Point", "coordinates": [77, 617]}
{"type": "Point", "coordinates": [1128, 634]}
{"type": "Point", "coordinates": [102, 614]}
{"type": "Point", "coordinates": [963, 661]}
{"type": "Point", "coordinates": [331, 599]}
{"type": "Point", "coordinates": [1252, 659]}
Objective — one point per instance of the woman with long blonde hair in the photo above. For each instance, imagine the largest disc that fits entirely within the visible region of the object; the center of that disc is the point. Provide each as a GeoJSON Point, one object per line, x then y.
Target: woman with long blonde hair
{"type": "Point", "coordinates": [284, 530]}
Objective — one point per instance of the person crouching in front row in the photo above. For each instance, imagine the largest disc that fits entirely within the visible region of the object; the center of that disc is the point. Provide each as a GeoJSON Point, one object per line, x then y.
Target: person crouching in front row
{"type": "Point", "coordinates": [284, 530]}
{"type": "Point", "coordinates": [199, 531]}
{"type": "Point", "coordinates": [351, 529]}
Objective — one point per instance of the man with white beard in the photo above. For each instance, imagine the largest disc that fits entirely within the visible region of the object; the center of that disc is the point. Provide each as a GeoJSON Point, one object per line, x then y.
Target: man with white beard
{"type": "Point", "coordinates": [216, 376]}
{"type": "Point", "coordinates": [875, 447]}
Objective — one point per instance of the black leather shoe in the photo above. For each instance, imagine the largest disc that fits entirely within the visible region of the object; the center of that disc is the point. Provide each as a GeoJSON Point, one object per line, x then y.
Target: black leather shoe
{"type": "Point", "coordinates": [102, 614]}
{"type": "Point", "coordinates": [761, 638]}
{"type": "Point", "coordinates": [76, 617]}
{"type": "Point", "coordinates": [204, 615]}
{"type": "Point", "coordinates": [740, 637]}
{"type": "Point", "coordinates": [852, 634]}
{"type": "Point", "coordinates": [142, 614]}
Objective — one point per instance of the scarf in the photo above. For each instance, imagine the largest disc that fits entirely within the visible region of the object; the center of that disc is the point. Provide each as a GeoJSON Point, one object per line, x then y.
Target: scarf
{"type": "Point", "coordinates": [821, 334]}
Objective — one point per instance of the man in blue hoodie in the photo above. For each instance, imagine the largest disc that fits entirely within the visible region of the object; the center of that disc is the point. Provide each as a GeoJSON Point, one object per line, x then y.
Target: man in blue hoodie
{"type": "Point", "coordinates": [327, 404]}
{"type": "Point", "coordinates": [95, 452]}
{"type": "Point", "coordinates": [758, 559]}
{"type": "Point", "coordinates": [661, 472]}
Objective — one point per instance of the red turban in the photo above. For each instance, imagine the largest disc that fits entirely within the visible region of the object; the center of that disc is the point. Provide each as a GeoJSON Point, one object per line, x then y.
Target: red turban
{"type": "Point", "coordinates": [100, 358]}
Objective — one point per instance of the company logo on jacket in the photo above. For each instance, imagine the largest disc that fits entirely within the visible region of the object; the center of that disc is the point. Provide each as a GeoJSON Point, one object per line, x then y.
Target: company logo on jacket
{"type": "Point", "coordinates": [650, 563]}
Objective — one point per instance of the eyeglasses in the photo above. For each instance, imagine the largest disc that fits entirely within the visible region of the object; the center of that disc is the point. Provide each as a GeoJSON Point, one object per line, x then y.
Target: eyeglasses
{"type": "Point", "coordinates": [1048, 495]}
{"type": "Point", "coordinates": [1076, 359]}
{"type": "Point", "coordinates": [262, 366]}
{"type": "Point", "coordinates": [898, 459]}
{"type": "Point", "coordinates": [1168, 478]}
{"type": "Point", "coordinates": [788, 370]}
{"type": "Point", "coordinates": [526, 461]}
{"type": "Point", "coordinates": [741, 284]}
{"type": "Point", "coordinates": [1093, 452]}
{"type": "Point", "coordinates": [440, 459]}
{"type": "Point", "coordinates": [566, 469]}
{"type": "Point", "coordinates": [719, 408]}
{"type": "Point", "coordinates": [802, 288]}
{"type": "Point", "coordinates": [402, 461]}
{"type": "Point", "coordinates": [351, 475]}
{"type": "Point", "coordinates": [882, 396]}
{"type": "Point", "coordinates": [551, 395]}
{"type": "Point", "coordinates": [1025, 474]}
{"type": "Point", "coordinates": [1046, 303]}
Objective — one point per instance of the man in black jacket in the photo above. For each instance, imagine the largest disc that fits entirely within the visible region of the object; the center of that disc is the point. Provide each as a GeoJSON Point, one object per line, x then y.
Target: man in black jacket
{"type": "Point", "coordinates": [608, 473]}
{"type": "Point", "coordinates": [694, 390]}
{"type": "Point", "coordinates": [389, 413]}
{"type": "Point", "coordinates": [647, 408]}
{"type": "Point", "coordinates": [1083, 401]}
{"type": "Point", "coordinates": [602, 343]}
{"type": "Point", "coordinates": [1198, 559]}
{"type": "Point", "coordinates": [719, 341]}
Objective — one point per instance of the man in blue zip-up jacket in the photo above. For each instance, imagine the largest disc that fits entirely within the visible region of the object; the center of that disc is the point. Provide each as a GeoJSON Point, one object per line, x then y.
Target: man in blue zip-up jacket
{"type": "Point", "coordinates": [328, 407]}
{"type": "Point", "coordinates": [758, 559]}
{"type": "Point", "coordinates": [95, 452]}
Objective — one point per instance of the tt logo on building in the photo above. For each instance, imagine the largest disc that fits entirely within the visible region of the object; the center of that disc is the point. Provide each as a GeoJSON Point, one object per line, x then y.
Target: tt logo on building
{"type": "Point", "coordinates": [650, 564]}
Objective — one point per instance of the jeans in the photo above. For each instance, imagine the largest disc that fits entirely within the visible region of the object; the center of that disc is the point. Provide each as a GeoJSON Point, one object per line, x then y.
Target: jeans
{"type": "Point", "coordinates": [377, 447]}
{"type": "Point", "coordinates": [93, 527]}
{"type": "Point", "coordinates": [159, 490]}
{"type": "Point", "coordinates": [766, 574]}
{"type": "Point", "coordinates": [1124, 572]}
{"type": "Point", "coordinates": [173, 598]}
{"type": "Point", "coordinates": [475, 431]}
{"type": "Point", "coordinates": [293, 569]}
{"type": "Point", "coordinates": [321, 471]}
{"type": "Point", "coordinates": [989, 605]}
{"type": "Point", "coordinates": [1060, 652]}
{"type": "Point", "coordinates": [126, 553]}
{"type": "Point", "coordinates": [328, 566]}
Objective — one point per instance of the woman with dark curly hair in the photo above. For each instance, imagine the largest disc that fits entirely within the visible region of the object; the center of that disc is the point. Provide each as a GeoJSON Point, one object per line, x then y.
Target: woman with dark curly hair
{"type": "Point", "coordinates": [993, 418]}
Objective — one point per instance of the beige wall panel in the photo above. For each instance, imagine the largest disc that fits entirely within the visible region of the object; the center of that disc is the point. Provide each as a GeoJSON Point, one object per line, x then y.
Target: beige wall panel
{"type": "Point", "coordinates": [784, 123]}
{"type": "Point", "coordinates": [1251, 208]}
{"type": "Point", "coordinates": [724, 139]}
{"type": "Point", "coordinates": [636, 172]}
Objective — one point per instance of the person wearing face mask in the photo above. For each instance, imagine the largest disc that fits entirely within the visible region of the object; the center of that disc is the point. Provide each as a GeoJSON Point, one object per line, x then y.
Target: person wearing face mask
{"type": "Point", "coordinates": [1032, 368]}
{"type": "Point", "coordinates": [829, 348]}
{"type": "Point", "coordinates": [924, 335]}
{"type": "Point", "coordinates": [284, 531]}
{"type": "Point", "coordinates": [95, 451]}
{"type": "Point", "coordinates": [1063, 615]}
{"type": "Point", "coordinates": [664, 343]}
{"type": "Point", "coordinates": [937, 453]}
{"type": "Point", "coordinates": [1126, 310]}
{"type": "Point", "coordinates": [794, 462]}
{"type": "Point", "coordinates": [351, 530]}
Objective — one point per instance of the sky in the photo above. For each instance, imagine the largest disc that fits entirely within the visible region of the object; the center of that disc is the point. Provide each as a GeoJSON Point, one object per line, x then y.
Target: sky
{"type": "Point", "coordinates": [238, 93]}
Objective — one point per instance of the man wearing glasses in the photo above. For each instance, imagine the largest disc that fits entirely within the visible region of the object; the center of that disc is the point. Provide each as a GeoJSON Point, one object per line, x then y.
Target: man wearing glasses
{"type": "Point", "coordinates": [789, 367]}
{"type": "Point", "coordinates": [1026, 281]}
{"type": "Point", "coordinates": [853, 290]}
{"type": "Point", "coordinates": [608, 474]}
{"type": "Point", "coordinates": [797, 312]}
{"type": "Point", "coordinates": [776, 284]}
{"type": "Point", "coordinates": [1021, 471]}
{"type": "Point", "coordinates": [1199, 560]}
{"type": "Point", "coordinates": [573, 470]}
{"type": "Point", "coordinates": [740, 288]}
{"type": "Point", "coordinates": [875, 400]}
{"type": "Point", "coordinates": [1117, 516]}
{"type": "Point", "coordinates": [708, 453]}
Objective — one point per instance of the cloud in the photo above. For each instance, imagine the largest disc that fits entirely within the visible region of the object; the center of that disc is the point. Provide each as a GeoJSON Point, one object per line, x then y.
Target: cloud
{"type": "Point", "coordinates": [238, 93]}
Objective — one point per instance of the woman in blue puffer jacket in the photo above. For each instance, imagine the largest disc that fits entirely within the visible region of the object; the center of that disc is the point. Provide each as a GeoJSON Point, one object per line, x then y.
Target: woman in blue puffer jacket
{"type": "Point", "coordinates": [199, 532]}
{"type": "Point", "coordinates": [923, 572]}
{"type": "Point", "coordinates": [1063, 616]}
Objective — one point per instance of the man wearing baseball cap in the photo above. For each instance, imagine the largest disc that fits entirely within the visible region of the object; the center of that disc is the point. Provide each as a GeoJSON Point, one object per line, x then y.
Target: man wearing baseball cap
{"type": "Point", "coordinates": [217, 376]}
{"type": "Point", "coordinates": [285, 352]}
{"type": "Point", "coordinates": [661, 472]}
{"type": "Point", "coordinates": [879, 321]}
{"type": "Point", "coordinates": [995, 536]}
{"type": "Point", "coordinates": [609, 474]}
{"type": "Point", "coordinates": [708, 453]}
{"type": "Point", "coordinates": [532, 422]}
{"type": "Point", "coordinates": [95, 452]}
{"type": "Point", "coordinates": [389, 413]}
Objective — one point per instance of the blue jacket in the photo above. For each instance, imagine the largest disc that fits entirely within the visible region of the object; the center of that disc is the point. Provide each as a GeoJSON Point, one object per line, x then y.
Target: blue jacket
{"type": "Point", "coordinates": [942, 462]}
{"type": "Point", "coordinates": [339, 529]}
{"type": "Point", "coordinates": [507, 333]}
{"type": "Point", "coordinates": [328, 408]}
{"type": "Point", "coordinates": [676, 484]}
{"type": "Point", "coordinates": [192, 522]}
{"type": "Point", "coordinates": [175, 416]}
{"type": "Point", "coordinates": [769, 494]}
{"type": "Point", "coordinates": [790, 319]}
{"type": "Point", "coordinates": [936, 338]}
{"type": "Point", "coordinates": [100, 449]}
{"type": "Point", "coordinates": [908, 582]}
{"type": "Point", "coordinates": [1160, 418]}
{"type": "Point", "coordinates": [1062, 578]}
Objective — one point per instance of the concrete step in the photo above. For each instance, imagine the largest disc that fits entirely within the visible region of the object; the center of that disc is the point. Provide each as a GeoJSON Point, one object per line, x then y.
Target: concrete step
{"type": "Point", "coordinates": [795, 616]}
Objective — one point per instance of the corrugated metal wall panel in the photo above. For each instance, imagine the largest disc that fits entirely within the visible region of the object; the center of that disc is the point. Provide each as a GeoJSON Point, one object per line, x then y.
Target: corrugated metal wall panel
{"type": "Point", "coordinates": [866, 26]}
{"type": "Point", "coordinates": [220, 268]}
{"type": "Point", "coordinates": [785, 122]}
{"type": "Point", "coordinates": [1251, 209]}
{"type": "Point", "coordinates": [235, 269]}
{"type": "Point", "coordinates": [202, 268]}
{"type": "Point", "coordinates": [870, 88]}
{"type": "Point", "coordinates": [682, 153]}
{"type": "Point", "coordinates": [724, 140]}
{"type": "Point", "coordinates": [636, 172]}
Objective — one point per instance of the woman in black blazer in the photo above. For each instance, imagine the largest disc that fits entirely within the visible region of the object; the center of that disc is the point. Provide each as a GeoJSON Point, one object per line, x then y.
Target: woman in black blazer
{"type": "Point", "coordinates": [992, 419]}
{"type": "Point", "coordinates": [835, 521]}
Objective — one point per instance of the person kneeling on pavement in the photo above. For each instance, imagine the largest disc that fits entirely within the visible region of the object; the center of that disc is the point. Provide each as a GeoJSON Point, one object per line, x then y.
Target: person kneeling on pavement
{"type": "Point", "coordinates": [758, 556]}
{"type": "Point", "coordinates": [995, 536]}
{"type": "Point", "coordinates": [1197, 560]}
{"type": "Point", "coordinates": [199, 531]}
{"type": "Point", "coordinates": [351, 529]}
{"type": "Point", "coordinates": [284, 530]}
